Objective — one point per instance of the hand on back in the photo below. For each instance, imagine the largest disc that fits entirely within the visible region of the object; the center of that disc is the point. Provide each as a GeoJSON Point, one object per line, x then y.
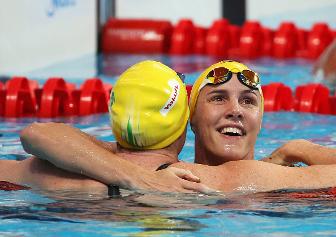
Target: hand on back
{"type": "Point", "coordinates": [288, 154]}
{"type": "Point", "coordinates": [174, 179]}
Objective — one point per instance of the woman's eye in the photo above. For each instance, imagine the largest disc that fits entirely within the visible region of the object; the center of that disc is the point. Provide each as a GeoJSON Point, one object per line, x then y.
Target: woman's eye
{"type": "Point", "coordinates": [217, 98]}
{"type": "Point", "coordinates": [248, 101]}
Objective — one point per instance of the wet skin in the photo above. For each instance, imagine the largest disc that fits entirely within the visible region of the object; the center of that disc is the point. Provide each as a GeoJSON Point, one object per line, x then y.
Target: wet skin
{"type": "Point", "coordinates": [226, 122]}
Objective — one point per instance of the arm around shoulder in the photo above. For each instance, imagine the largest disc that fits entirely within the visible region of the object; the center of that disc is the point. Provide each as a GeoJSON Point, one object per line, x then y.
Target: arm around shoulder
{"type": "Point", "coordinates": [301, 150]}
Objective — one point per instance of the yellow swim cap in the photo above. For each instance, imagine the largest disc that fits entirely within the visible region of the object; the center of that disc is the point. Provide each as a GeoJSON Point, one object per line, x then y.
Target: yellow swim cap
{"type": "Point", "coordinates": [148, 106]}
{"type": "Point", "coordinates": [202, 80]}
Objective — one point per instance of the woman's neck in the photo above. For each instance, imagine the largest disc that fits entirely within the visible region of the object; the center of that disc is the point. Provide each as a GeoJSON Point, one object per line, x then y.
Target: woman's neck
{"type": "Point", "coordinates": [203, 156]}
{"type": "Point", "coordinates": [149, 159]}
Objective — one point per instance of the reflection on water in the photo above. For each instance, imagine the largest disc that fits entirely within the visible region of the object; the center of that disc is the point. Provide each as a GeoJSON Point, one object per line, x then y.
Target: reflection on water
{"type": "Point", "coordinates": [156, 214]}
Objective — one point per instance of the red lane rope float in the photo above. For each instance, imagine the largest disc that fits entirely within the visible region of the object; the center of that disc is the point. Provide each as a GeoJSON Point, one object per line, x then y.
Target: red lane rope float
{"type": "Point", "coordinates": [285, 41]}
{"type": "Point", "coordinates": [2, 99]}
{"type": "Point", "coordinates": [328, 193]}
{"type": "Point", "coordinates": [23, 97]}
{"type": "Point", "coordinates": [332, 102]}
{"type": "Point", "coordinates": [136, 36]}
{"type": "Point", "coordinates": [216, 44]}
{"type": "Point", "coordinates": [313, 98]}
{"type": "Point", "coordinates": [267, 46]}
{"type": "Point", "coordinates": [56, 99]}
{"type": "Point", "coordinates": [234, 34]}
{"type": "Point", "coordinates": [318, 39]}
{"type": "Point", "coordinates": [108, 89]}
{"type": "Point", "coordinates": [7, 186]}
{"type": "Point", "coordinates": [182, 38]}
{"type": "Point", "coordinates": [199, 40]}
{"type": "Point", "coordinates": [19, 100]}
{"type": "Point", "coordinates": [92, 97]}
{"type": "Point", "coordinates": [250, 45]}
{"type": "Point", "coordinates": [221, 39]}
{"type": "Point", "coordinates": [277, 96]}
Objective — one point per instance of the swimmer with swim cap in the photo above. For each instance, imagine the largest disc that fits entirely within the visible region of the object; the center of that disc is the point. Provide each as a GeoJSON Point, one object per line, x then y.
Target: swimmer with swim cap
{"type": "Point", "coordinates": [154, 135]}
{"type": "Point", "coordinates": [225, 126]}
{"type": "Point", "coordinates": [148, 107]}
{"type": "Point", "coordinates": [222, 72]}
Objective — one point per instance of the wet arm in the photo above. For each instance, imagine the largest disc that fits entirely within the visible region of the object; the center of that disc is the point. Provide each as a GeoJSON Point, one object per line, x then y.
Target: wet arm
{"type": "Point", "coordinates": [311, 177]}
{"type": "Point", "coordinates": [302, 151]}
{"type": "Point", "coordinates": [71, 149]}
{"type": "Point", "coordinates": [266, 177]}
{"type": "Point", "coordinates": [110, 146]}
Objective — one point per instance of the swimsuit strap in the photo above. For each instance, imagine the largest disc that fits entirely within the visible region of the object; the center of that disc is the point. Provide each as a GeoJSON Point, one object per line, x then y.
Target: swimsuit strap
{"type": "Point", "coordinates": [163, 166]}
{"type": "Point", "coordinates": [113, 191]}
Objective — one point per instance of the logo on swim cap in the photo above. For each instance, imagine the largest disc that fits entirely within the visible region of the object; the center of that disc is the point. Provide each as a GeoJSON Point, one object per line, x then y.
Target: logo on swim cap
{"type": "Point", "coordinates": [172, 98]}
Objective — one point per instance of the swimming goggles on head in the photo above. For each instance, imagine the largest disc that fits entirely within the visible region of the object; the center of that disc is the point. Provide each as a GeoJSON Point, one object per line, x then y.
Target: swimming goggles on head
{"type": "Point", "coordinates": [223, 74]}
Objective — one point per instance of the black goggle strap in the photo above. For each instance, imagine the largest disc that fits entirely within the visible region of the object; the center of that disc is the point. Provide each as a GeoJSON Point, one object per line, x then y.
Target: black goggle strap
{"type": "Point", "coordinates": [181, 76]}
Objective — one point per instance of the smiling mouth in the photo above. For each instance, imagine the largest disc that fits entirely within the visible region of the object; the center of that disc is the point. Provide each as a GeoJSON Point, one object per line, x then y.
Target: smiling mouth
{"type": "Point", "coordinates": [232, 131]}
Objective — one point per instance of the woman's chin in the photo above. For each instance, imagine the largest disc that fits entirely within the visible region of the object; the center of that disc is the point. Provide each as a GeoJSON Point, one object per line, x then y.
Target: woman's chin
{"type": "Point", "coordinates": [231, 155]}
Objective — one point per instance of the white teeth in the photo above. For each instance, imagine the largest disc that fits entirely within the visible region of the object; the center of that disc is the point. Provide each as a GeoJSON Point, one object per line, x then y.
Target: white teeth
{"type": "Point", "coordinates": [232, 130]}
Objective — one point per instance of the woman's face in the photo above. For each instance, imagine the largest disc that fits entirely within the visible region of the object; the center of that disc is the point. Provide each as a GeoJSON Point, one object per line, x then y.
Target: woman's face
{"type": "Point", "coordinates": [226, 122]}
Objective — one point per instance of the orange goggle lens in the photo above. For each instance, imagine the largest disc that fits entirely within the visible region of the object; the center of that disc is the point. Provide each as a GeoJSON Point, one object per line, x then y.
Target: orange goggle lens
{"type": "Point", "coordinates": [222, 74]}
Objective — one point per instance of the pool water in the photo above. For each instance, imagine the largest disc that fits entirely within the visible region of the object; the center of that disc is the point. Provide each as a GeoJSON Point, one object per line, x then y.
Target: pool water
{"type": "Point", "coordinates": [36, 213]}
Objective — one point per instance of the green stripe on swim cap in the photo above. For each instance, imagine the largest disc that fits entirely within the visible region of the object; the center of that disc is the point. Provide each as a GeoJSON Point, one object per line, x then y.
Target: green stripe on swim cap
{"type": "Point", "coordinates": [130, 137]}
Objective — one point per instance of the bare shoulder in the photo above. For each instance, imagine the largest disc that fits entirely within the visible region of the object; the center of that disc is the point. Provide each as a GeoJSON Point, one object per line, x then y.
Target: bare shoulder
{"type": "Point", "coordinates": [110, 146]}
{"type": "Point", "coordinates": [235, 175]}
{"type": "Point", "coordinates": [42, 174]}
{"type": "Point", "coordinates": [253, 164]}
{"type": "Point", "coordinates": [217, 177]}
{"type": "Point", "coordinates": [228, 167]}
{"type": "Point", "coordinates": [5, 164]}
{"type": "Point", "coordinates": [232, 166]}
{"type": "Point", "coordinates": [193, 166]}
{"type": "Point", "coordinates": [10, 170]}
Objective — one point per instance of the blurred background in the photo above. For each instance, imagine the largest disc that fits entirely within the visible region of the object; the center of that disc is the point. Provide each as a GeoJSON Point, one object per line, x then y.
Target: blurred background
{"type": "Point", "coordinates": [37, 36]}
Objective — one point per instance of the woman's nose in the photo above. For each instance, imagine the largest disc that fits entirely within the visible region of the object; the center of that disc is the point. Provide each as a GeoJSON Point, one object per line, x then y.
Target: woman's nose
{"type": "Point", "coordinates": [233, 111]}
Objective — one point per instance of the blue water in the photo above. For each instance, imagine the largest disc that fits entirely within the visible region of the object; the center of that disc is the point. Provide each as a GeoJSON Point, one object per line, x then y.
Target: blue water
{"type": "Point", "coordinates": [28, 213]}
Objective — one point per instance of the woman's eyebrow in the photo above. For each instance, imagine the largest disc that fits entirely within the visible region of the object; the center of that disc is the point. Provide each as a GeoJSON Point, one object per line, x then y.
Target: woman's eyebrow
{"type": "Point", "coordinates": [250, 91]}
{"type": "Point", "coordinates": [217, 91]}
{"type": "Point", "coordinates": [225, 91]}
